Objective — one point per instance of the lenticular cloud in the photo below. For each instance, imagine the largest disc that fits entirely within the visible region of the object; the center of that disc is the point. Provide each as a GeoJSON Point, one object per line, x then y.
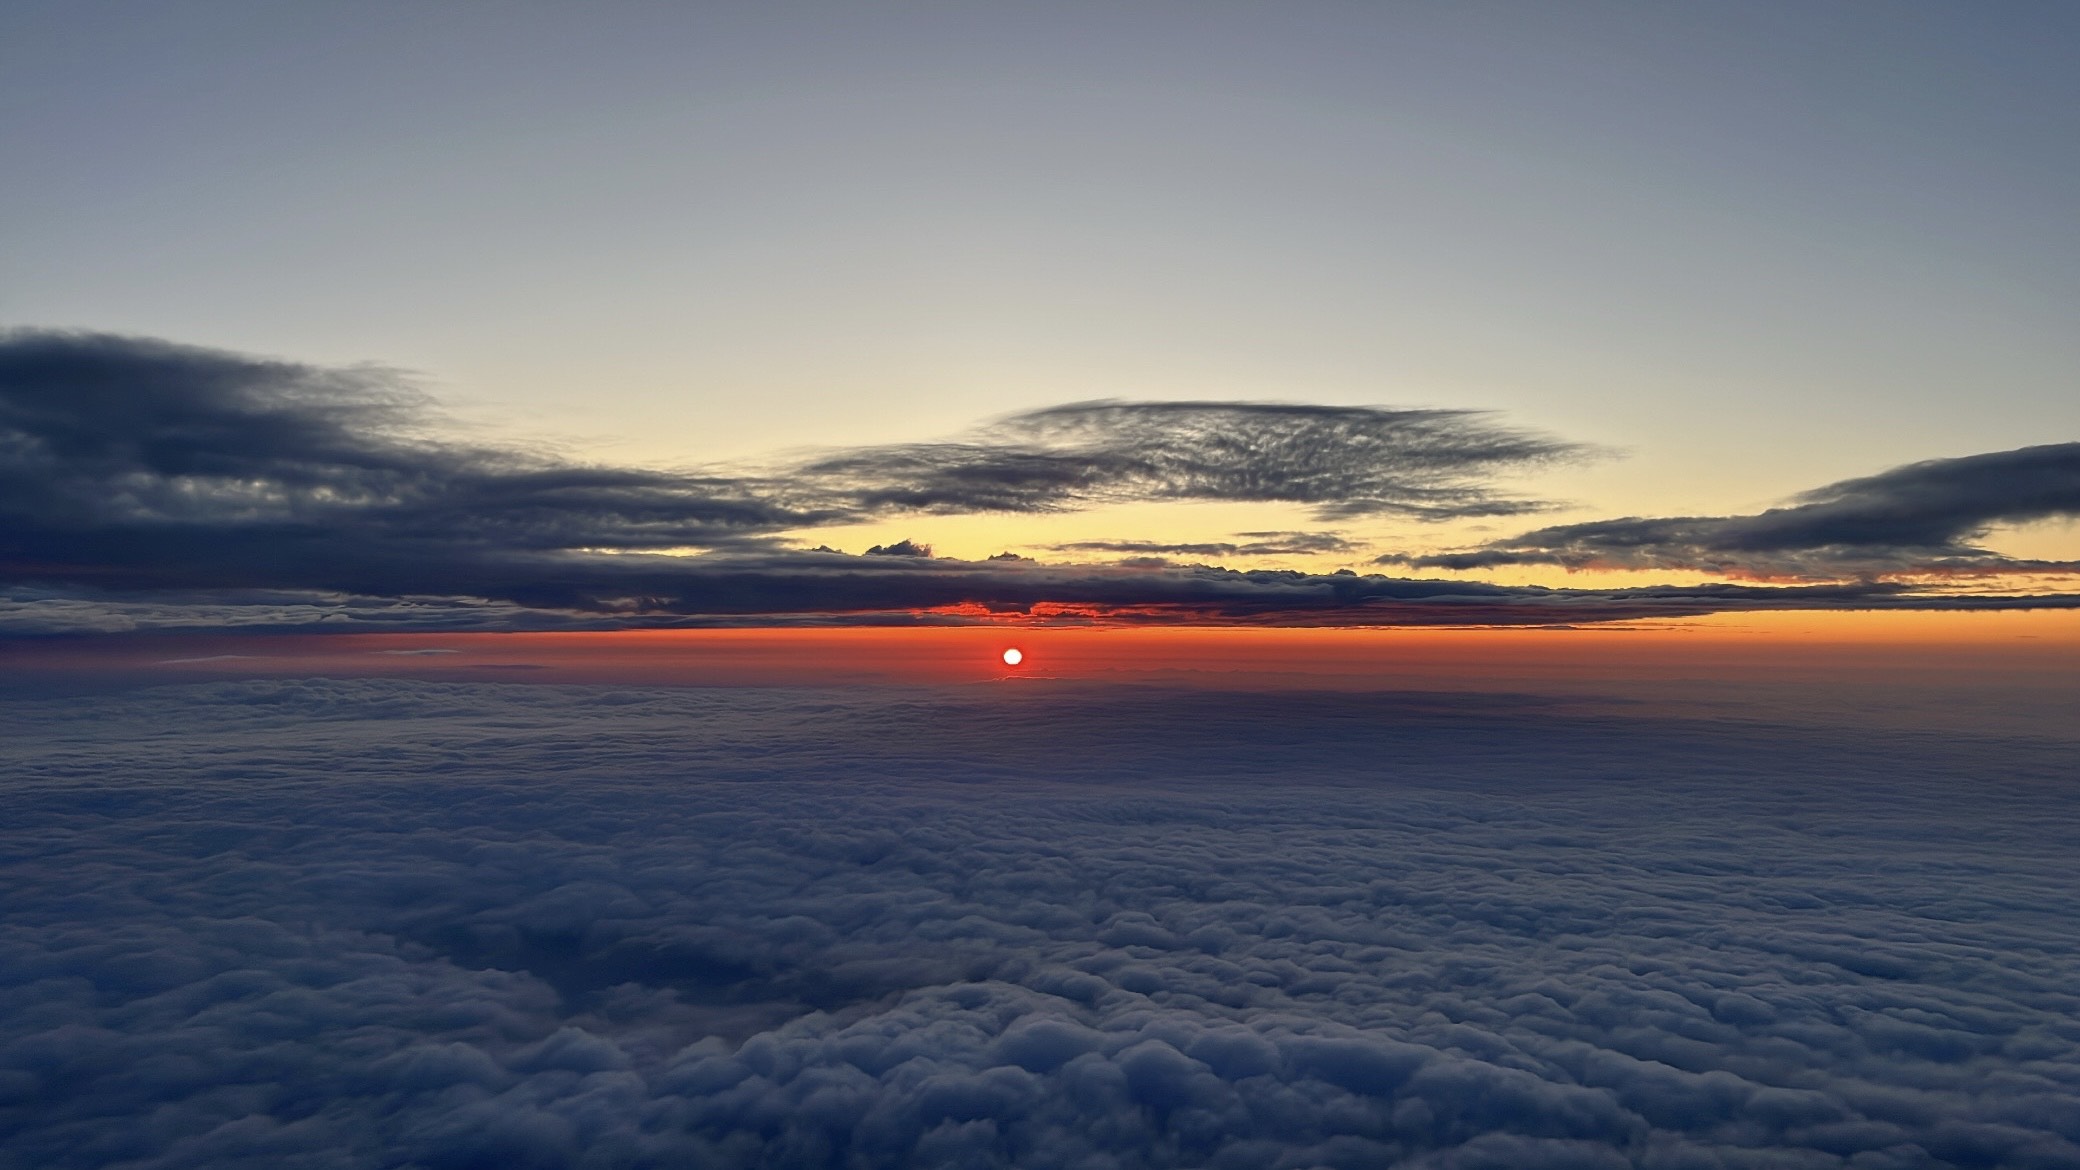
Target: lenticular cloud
{"type": "Point", "coordinates": [372, 923]}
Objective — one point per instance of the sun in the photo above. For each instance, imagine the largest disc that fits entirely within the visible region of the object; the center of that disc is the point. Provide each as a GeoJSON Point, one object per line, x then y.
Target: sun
{"type": "Point", "coordinates": [1014, 656]}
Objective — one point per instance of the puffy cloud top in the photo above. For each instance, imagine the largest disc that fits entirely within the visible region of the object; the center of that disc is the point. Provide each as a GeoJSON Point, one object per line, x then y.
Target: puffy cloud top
{"type": "Point", "coordinates": [380, 924]}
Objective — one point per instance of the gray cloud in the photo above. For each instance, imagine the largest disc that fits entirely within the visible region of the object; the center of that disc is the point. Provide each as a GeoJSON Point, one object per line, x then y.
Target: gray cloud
{"type": "Point", "coordinates": [1253, 544]}
{"type": "Point", "coordinates": [141, 472]}
{"type": "Point", "coordinates": [379, 923]}
{"type": "Point", "coordinates": [901, 548]}
{"type": "Point", "coordinates": [834, 589]}
{"type": "Point", "coordinates": [1920, 518]}
{"type": "Point", "coordinates": [1341, 461]}
{"type": "Point", "coordinates": [147, 485]}
{"type": "Point", "coordinates": [108, 438]}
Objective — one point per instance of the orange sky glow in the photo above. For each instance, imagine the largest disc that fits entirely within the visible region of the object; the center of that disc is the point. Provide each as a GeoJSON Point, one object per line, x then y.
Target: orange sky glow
{"type": "Point", "coordinates": [1980, 669]}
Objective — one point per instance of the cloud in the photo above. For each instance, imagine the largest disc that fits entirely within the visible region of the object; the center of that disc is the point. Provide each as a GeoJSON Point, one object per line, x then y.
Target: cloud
{"type": "Point", "coordinates": [1923, 518]}
{"type": "Point", "coordinates": [1255, 544]}
{"type": "Point", "coordinates": [783, 588]}
{"type": "Point", "coordinates": [206, 658]}
{"type": "Point", "coordinates": [901, 548]}
{"type": "Point", "coordinates": [1340, 461]}
{"type": "Point", "coordinates": [145, 485]}
{"type": "Point", "coordinates": [382, 923]}
{"type": "Point", "coordinates": [133, 469]}
{"type": "Point", "coordinates": [136, 466]}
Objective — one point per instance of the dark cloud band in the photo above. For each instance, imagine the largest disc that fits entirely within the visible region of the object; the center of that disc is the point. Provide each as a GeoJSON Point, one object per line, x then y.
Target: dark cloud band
{"type": "Point", "coordinates": [144, 483]}
{"type": "Point", "coordinates": [1252, 544]}
{"type": "Point", "coordinates": [1923, 518]}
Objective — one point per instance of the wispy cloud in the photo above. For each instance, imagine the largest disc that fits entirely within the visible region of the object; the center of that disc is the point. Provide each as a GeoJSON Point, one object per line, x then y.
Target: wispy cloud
{"type": "Point", "coordinates": [205, 658]}
{"type": "Point", "coordinates": [1341, 461]}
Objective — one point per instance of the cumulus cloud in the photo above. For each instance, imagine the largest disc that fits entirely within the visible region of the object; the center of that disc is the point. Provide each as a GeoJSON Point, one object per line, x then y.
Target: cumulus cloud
{"type": "Point", "coordinates": [380, 923]}
{"type": "Point", "coordinates": [901, 548]}
{"type": "Point", "coordinates": [1923, 518]}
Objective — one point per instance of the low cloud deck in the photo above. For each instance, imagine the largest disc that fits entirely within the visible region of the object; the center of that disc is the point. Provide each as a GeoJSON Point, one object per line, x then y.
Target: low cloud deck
{"type": "Point", "coordinates": [380, 922]}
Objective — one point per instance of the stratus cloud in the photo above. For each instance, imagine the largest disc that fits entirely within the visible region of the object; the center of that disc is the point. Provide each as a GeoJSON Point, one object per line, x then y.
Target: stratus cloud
{"type": "Point", "coordinates": [364, 924]}
{"type": "Point", "coordinates": [785, 588]}
{"type": "Point", "coordinates": [1923, 518]}
{"type": "Point", "coordinates": [1252, 544]}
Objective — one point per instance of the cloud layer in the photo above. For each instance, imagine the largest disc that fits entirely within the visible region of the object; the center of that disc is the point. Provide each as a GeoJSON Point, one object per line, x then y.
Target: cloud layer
{"type": "Point", "coordinates": [1922, 518]}
{"type": "Point", "coordinates": [378, 923]}
{"type": "Point", "coordinates": [831, 589]}
{"type": "Point", "coordinates": [1252, 544]}
{"type": "Point", "coordinates": [128, 439]}
{"type": "Point", "coordinates": [150, 485]}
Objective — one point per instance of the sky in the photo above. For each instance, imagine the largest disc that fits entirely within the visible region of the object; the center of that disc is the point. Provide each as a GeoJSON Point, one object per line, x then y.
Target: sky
{"type": "Point", "coordinates": [1641, 262]}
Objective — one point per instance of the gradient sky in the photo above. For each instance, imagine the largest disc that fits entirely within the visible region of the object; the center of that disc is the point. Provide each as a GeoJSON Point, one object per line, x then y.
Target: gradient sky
{"type": "Point", "coordinates": [1743, 251]}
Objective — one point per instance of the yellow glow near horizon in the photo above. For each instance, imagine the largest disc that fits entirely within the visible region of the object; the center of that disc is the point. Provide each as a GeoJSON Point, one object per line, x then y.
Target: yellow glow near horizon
{"type": "Point", "coordinates": [981, 535]}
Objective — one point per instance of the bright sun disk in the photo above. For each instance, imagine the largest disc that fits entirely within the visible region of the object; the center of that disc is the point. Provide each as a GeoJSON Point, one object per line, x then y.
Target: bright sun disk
{"type": "Point", "coordinates": [1013, 656]}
